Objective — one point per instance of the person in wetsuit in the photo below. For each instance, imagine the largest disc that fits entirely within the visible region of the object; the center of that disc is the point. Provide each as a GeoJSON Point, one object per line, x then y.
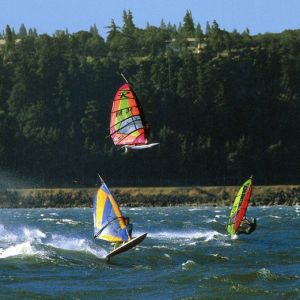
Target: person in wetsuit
{"type": "Point", "coordinates": [246, 227]}
{"type": "Point", "coordinates": [129, 228]}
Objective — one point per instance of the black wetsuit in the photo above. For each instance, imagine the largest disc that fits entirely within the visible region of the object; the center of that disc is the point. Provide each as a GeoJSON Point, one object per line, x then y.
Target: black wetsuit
{"type": "Point", "coordinates": [129, 228]}
{"type": "Point", "coordinates": [246, 228]}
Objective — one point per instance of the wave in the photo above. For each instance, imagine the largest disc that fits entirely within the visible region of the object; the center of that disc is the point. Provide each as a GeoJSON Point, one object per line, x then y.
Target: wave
{"type": "Point", "coordinates": [221, 216]}
{"type": "Point", "coordinates": [207, 235]}
{"type": "Point", "coordinates": [6, 236]}
{"type": "Point", "coordinates": [24, 234]}
{"type": "Point", "coordinates": [266, 274]}
{"type": "Point", "coordinates": [189, 264]}
{"type": "Point", "coordinates": [213, 220]}
{"type": "Point", "coordinates": [275, 217]}
{"type": "Point", "coordinates": [34, 242]}
{"type": "Point", "coordinates": [22, 249]}
{"type": "Point", "coordinates": [75, 244]}
{"type": "Point", "coordinates": [24, 243]}
{"type": "Point", "coordinates": [60, 221]}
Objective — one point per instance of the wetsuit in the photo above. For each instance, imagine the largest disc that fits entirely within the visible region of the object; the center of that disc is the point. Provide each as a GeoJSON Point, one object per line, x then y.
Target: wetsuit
{"type": "Point", "coordinates": [247, 227]}
{"type": "Point", "coordinates": [129, 228]}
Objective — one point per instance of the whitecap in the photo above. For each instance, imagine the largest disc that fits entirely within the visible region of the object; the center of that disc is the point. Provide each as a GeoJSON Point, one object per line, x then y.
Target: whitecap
{"type": "Point", "coordinates": [185, 235]}
{"type": "Point", "coordinates": [220, 256]}
{"type": "Point", "coordinates": [33, 234]}
{"type": "Point", "coordinates": [275, 217]}
{"type": "Point", "coordinates": [160, 247]}
{"type": "Point", "coordinates": [69, 221]}
{"type": "Point", "coordinates": [265, 274]}
{"type": "Point", "coordinates": [76, 244]}
{"type": "Point", "coordinates": [187, 265]}
{"type": "Point", "coordinates": [24, 248]}
{"type": "Point", "coordinates": [60, 221]}
{"type": "Point", "coordinates": [194, 209]}
{"type": "Point", "coordinates": [6, 236]}
{"type": "Point", "coordinates": [211, 221]}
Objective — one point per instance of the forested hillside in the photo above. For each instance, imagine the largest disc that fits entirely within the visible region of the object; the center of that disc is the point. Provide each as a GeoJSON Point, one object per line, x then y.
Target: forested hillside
{"type": "Point", "coordinates": [223, 105]}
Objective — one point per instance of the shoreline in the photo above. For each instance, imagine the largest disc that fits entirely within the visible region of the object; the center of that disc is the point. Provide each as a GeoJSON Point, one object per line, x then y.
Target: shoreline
{"type": "Point", "coordinates": [149, 196]}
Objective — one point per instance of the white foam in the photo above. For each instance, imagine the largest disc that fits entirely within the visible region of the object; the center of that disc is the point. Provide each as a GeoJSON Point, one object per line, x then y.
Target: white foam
{"type": "Point", "coordinates": [60, 221]}
{"type": "Point", "coordinates": [160, 247]}
{"type": "Point", "coordinates": [220, 256]}
{"type": "Point", "coordinates": [265, 274]}
{"type": "Point", "coordinates": [22, 243]}
{"type": "Point", "coordinates": [187, 265]}
{"type": "Point", "coordinates": [221, 216]}
{"type": "Point", "coordinates": [275, 217]}
{"type": "Point", "coordinates": [6, 236]}
{"type": "Point", "coordinates": [23, 249]}
{"type": "Point", "coordinates": [211, 221]}
{"type": "Point", "coordinates": [221, 243]}
{"type": "Point", "coordinates": [33, 235]}
{"type": "Point", "coordinates": [75, 244]}
{"type": "Point", "coordinates": [234, 237]}
{"type": "Point", "coordinates": [167, 256]}
{"type": "Point", "coordinates": [207, 235]}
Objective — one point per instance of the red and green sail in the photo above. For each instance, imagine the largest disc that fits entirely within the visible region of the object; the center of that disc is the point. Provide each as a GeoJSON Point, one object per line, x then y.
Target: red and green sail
{"type": "Point", "coordinates": [239, 207]}
{"type": "Point", "coordinates": [127, 125]}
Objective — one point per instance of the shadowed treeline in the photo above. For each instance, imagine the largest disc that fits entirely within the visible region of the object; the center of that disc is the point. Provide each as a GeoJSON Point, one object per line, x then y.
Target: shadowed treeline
{"type": "Point", "coordinates": [223, 105]}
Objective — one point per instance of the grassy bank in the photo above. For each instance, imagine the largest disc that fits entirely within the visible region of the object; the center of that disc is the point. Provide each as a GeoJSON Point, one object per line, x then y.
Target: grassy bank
{"type": "Point", "coordinates": [148, 196]}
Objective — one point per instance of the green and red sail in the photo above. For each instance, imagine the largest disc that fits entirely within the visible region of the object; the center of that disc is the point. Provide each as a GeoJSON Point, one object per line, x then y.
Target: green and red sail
{"type": "Point", "coordinates": [239, 208]}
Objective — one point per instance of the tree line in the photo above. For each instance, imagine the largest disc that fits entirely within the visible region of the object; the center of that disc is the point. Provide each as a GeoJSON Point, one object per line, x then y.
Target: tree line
{"type": "Point", "coordinates": [223, 105]}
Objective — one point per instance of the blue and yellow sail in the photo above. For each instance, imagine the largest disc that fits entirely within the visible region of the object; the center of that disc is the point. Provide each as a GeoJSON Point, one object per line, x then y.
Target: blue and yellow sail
{"type": "Point", "coordinates": [108, 221]}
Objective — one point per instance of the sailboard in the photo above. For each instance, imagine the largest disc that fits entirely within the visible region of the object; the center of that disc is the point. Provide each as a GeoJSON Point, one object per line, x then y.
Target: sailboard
{"type": "Point", "coordinates": [109, 223]}
{"type": "Point", "coordinates": [128, 127]}
{"type": "Point", "coordinates": [239, 207]}
{"type": "Point", "coordinates": [127, 245]}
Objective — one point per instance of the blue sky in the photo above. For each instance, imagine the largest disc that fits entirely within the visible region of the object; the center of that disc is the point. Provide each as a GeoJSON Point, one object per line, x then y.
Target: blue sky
{"type": "Point", "coordinates": [47, 16]}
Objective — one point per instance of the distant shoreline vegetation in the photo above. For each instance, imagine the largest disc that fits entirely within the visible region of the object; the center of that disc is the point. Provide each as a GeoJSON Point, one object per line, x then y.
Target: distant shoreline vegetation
{"type": "Point", "coordinates": [222, 105]}
{"type": "Point", "coordinates": [148, 196]}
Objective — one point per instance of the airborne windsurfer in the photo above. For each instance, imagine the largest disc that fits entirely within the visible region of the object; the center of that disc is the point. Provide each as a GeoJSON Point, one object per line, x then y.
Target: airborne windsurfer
{"type": "Point", "coordinates": [246, 227]}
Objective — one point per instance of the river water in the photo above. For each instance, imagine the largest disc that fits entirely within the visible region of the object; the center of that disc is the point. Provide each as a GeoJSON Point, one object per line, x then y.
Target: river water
{"type": "Point", "coordinates": [51, 254]}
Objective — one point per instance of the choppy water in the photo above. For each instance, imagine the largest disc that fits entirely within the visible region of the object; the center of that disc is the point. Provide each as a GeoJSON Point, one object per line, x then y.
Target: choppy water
{"type": "Point", "coordinates": [50, 254]}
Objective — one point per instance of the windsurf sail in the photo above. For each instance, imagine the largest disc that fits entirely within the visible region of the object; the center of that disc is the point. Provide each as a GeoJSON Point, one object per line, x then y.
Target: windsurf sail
{"type": "Point", "coordinates": [108, 221]}
{"type": "Point", "coordinates": [239, 207]}
{"type": "Point", "coordinates": [127, 122]}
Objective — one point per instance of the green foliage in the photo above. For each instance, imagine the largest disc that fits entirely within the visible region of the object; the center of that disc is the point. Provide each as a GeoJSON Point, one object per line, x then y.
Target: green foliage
{"type": "Point", "coordinates": [221, 104]}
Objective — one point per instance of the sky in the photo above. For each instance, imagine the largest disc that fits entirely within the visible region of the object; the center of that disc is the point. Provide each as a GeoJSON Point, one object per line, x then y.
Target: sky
{"type": "Point", "coordinates": [47, 16]}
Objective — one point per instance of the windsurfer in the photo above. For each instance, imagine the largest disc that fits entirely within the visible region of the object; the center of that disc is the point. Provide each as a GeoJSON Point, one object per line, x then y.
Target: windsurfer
{"type": "Point", "coordinates": [247, 227]}
{"type": "Point", "coordinates": [129, 227]}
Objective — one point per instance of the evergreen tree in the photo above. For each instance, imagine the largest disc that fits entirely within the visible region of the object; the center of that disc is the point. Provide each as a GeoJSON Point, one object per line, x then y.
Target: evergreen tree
{"type": "Point", "coordinates": [188, 27]}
